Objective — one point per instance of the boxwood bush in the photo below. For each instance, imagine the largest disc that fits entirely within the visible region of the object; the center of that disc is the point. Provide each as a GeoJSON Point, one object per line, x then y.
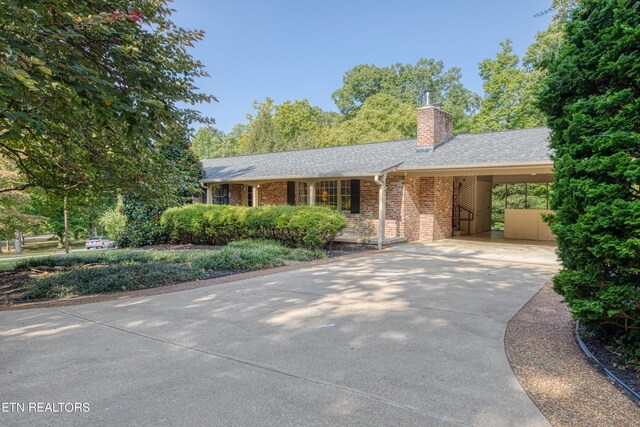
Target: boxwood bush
{"type": "Point", "coordinates": [299, 226]}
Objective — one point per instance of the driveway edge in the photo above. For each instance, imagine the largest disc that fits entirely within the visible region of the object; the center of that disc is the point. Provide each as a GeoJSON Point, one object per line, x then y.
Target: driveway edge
{"type": "Point", "coordinates": [553, 371]}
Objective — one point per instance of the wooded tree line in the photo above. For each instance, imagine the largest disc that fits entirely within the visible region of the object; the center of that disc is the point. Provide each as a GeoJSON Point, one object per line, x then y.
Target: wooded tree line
{"type": "Point", "coordinates": [378, 103]}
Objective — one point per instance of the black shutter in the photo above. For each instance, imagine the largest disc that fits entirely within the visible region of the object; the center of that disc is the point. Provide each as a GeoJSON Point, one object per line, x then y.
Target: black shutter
{"type": "Point", "coordinates": [355, 196]}
{"type": "Point", "coordinates": [225, 194]}
{"type": "Point", "coordinates": [291, 193]}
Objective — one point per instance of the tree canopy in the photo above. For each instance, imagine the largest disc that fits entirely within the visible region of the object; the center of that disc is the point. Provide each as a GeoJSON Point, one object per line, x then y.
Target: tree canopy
{"type": "Point", "coordinates": [91, 93]}
{"type": "Point", "coordinates": [509, 94]}
{"type": "Point", "coordinates": [14, 205]}
{"type": "Point", "coordinates": [408, 83]}
{"type": "Point", "coordinates": [381, 118]}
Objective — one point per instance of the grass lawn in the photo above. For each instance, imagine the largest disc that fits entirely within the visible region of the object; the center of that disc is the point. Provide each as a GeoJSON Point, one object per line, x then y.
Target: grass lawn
{"type": "Point", "coordinates": [86, 273]}
{"type": "Point", "coordinates": [33, 248]}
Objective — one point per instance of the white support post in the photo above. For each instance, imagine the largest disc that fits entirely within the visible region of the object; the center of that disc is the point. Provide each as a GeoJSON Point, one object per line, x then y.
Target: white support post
{"type": "Point", "coordinates": [311, 187]}
{"type": "Point", "coordinates": [209, 194]}
{"type": "Point", "coordinates": [256, 194]}
{"type": "Point", "coordinates": [382, 207]}
{"type": "Point", "coordinates": [245, 195]}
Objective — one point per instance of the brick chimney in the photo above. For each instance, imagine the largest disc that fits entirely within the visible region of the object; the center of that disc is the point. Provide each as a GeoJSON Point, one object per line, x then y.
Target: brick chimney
{"type": "Point", "coordinates": [434, 127]}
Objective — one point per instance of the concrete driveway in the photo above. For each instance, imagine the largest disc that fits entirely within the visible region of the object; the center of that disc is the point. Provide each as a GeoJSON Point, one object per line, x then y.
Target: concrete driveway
{"type": "Point", "coordinates": [409, 337]}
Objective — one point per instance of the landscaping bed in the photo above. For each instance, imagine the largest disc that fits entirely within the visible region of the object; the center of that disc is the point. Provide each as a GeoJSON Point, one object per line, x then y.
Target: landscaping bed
{"type": "Point", "coordinates": [566, 387]}
{"type": "Point", "coordinates": [101, 272]}
{"type": "Point", "coordinates": [614, 360]}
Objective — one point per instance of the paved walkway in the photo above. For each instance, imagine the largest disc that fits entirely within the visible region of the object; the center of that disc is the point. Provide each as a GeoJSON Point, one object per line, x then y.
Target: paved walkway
{"type": "Point", "coordinates": [410, 337]}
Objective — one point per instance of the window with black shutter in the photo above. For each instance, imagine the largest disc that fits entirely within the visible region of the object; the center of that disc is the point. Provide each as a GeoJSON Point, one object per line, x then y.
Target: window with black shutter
{"type": "Point", "coordinates": [291, 193]}
{"type": "Point", "coordinates": [355, 196]}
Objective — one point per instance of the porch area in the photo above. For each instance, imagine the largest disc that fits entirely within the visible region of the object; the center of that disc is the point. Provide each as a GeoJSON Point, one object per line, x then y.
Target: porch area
{"type": "Point", "coordinates": [392, 208]}
{"type": "Point", "coordinates": [503, 207]}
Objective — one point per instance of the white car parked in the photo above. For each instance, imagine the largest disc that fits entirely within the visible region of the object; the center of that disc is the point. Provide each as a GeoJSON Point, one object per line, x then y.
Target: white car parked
{"type": "Point", "coordinates": [98, 242]}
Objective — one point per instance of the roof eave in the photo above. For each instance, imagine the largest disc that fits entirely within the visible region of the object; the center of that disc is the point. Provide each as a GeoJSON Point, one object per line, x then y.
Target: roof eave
{"type": "Point", "coordinates": [478, 166]}
{"type": "Point", "coordinates": [290, 177]}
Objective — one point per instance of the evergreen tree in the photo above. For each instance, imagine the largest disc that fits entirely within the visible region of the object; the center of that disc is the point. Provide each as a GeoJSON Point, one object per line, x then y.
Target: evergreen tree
{"type": "Point", "coordinates": [591, 95]}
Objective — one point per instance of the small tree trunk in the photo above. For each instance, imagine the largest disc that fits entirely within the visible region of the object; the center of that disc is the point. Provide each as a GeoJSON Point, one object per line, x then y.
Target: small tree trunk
{"type": "Point", "coordinates": [66, 227]}
{"type": "Point", "coordinates": [8, 245]}
{"type": "Point", "coordinates": [18, 242]}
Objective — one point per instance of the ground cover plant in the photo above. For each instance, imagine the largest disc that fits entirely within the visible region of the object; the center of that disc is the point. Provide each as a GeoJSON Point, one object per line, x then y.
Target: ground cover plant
{"type": "Point", "coordinates": [111, 271]}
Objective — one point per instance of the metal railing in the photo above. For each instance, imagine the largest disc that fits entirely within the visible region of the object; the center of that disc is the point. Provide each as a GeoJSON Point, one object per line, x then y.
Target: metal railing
{"type": "Point", "coordinates": [469, 218]}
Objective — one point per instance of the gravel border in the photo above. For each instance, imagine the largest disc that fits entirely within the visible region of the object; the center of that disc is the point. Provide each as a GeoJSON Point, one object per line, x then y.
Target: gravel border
{"type": "Point", "coordinates": [87, 299]}
{"type": "Point", "coordinates": [543, 353]}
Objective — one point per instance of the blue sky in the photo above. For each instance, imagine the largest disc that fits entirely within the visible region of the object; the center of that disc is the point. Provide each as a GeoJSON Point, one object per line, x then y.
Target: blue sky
{"type": "Point", "coordinates": [301, 49]}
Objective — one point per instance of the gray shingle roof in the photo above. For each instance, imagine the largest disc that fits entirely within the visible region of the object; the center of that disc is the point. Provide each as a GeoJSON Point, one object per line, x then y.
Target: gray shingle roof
{"type": "Point", "coordinates": [477, 149]}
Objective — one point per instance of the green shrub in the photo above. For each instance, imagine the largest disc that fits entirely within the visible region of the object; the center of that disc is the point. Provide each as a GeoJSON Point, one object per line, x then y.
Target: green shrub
{"type": "Point", "coordinates": [114, 221]}
{"type": "Point", "coordinates": [591, 98]}
{"type": "Point", "coordinates": [143, 224]}
{"type": "Point", "coordinates": [363, 225]}
{"type": "Point", "coordinates": [298, 226]}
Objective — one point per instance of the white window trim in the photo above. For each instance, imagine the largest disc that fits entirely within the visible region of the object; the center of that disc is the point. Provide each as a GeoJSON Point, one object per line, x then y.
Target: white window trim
{"type": "Point", "coordinates": [338, 193]}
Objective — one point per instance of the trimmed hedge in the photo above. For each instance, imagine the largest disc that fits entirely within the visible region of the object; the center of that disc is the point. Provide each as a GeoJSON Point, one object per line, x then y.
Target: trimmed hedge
{"type": "Point", "coordinates": [299, 226]}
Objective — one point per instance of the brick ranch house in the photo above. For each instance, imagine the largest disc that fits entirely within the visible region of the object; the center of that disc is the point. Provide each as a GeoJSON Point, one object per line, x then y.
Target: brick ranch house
{"type": "Point", "coordinates": [429, 188]}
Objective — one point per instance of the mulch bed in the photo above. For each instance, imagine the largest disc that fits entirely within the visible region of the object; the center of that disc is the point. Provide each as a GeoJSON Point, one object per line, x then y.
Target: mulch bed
{"type": "Point", "coordinates": [12, 284]}
{"type": "Point", "coordinates": [613, 361]}
{"type": "Point", "coordinates": [569, 390]}
{"type": "Point", "coordinates": [341, 249]}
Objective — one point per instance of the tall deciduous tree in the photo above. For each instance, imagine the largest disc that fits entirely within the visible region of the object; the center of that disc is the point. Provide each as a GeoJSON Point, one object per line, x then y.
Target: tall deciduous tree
{"type": "Point", "coordinates": [261, 135]}
{"type": "Point", "coordinates": [279, 127]}
{"type": "Point", "coordinates": [91, 93]}
{"type": "Point", "coordinates": [509, 94]}
{"type": "Point", "coordinates": [83, 212]}
{"type": "Point", "coordinates": [383, 117]}
{"type": "Point", "coordinates": [591, 96]}
{"type": "Point", "coordinates": [549, 40]}
{"type": "Point", "coordinates": [207, 142]}
{"type": "Point", "coordinates": [15, 218]}
{"type": "Point", "coordinates": [408, 83]}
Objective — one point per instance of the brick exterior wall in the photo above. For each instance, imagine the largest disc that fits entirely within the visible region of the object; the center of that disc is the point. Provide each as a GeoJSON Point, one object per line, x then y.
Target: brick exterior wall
{"type": "Point", "coordinates": [273, 193]}
{"type": "Point", "coordinates": [235, 194]}
{"type": "Point", "coordinates": [413, 187]}
{"type": "Point", "coordinates": [442, 208]}
{"type": "Point", "coordinates": [394, 225]}
{"type": "Point", "coordinates": [418, 208]}
{"type": "Point", "coordinates": [434, 127]}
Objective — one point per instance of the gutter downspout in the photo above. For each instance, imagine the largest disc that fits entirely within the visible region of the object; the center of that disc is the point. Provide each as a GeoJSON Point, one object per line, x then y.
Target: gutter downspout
{"type": "Point", "coordinates": [382, 206]}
